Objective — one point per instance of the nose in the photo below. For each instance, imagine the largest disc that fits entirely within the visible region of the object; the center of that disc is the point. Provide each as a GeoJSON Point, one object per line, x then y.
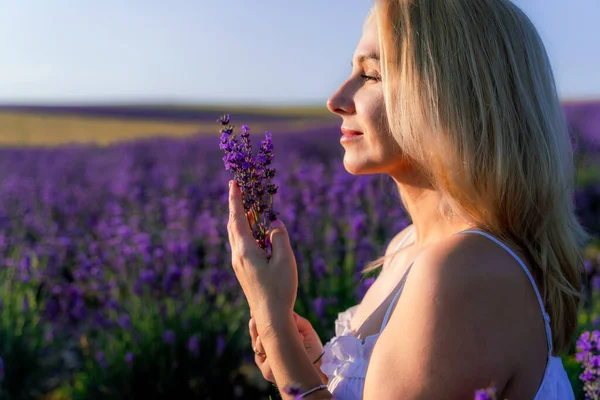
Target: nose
{"type": "Point", "coordinates": [342, 101]}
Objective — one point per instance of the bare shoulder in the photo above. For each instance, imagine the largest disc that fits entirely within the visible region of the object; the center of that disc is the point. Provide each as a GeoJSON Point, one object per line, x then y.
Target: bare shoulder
{"type": "Point", "coordinates": [464, 260]}
{"type": "Point", "coordinates": [451, 324]}
{"type": "Point", "coordinates": [397, 239]}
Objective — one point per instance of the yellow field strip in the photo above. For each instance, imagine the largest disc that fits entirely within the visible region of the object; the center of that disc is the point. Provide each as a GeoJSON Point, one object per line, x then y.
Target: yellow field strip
{"type": "Point", "coordinates": [23, 129]}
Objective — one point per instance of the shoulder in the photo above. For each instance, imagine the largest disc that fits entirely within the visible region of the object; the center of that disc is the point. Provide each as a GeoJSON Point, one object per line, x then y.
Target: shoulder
{"type": "Point", "coordinates": [450, 324]}
{"type": "Point", "coordinates": [393, 245]}
{"type": "Point", "coordinates": [462, 260]}
{"type": "Point", "coordinates": [465, 272]}
{"type": "Point", "coordinates": [471, 262]}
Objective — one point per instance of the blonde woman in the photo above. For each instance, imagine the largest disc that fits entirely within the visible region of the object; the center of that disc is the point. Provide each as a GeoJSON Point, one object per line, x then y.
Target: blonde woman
{"type": "Point", "coordinates": [456, 101]}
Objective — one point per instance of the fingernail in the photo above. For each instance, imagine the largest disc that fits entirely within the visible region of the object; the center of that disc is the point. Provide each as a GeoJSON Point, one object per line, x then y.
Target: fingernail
{"type": "Point", "coordinates": [276, 224]}
{"type": "Point", "coordinates": [301, 337]}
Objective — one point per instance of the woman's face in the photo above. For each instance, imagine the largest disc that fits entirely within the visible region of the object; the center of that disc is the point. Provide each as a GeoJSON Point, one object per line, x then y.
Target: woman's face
{"type": "Point", "coordinates": [370, 147]}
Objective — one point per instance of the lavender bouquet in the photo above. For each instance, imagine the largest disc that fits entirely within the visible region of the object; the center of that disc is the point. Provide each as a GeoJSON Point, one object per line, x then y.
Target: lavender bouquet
{"type": "Point", "coordinates": [253, 174]}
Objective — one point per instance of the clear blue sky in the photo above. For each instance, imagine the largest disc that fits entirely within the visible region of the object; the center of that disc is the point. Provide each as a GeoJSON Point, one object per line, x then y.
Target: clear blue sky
{"type": "Point", "coordinates": [228, 51]}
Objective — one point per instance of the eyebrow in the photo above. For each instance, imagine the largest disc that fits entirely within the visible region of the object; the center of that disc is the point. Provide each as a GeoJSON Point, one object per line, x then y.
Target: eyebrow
{"type": "Point", "coordinates": [364, 57]}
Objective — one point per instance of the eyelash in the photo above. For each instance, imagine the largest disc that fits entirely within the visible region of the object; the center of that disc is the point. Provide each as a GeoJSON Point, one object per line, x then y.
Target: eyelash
{"type": "Point", "coordinates": [370, 78]}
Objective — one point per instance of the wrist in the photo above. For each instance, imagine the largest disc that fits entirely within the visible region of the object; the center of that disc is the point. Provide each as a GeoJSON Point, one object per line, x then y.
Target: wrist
{"type": "Point", "coordinates": [272, 328]}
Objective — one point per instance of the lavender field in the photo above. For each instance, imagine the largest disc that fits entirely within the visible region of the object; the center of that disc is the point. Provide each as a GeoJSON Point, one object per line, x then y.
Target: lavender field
{"type": "Point", "coordinates": [116, 280]}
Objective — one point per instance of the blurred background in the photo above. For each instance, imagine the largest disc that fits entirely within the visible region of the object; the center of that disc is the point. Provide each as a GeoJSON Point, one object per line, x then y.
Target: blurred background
{"type": "Point", "coordinates": [116, 280]}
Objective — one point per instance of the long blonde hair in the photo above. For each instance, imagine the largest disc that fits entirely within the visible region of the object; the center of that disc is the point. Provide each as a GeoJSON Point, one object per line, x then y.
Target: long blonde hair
{"type": "Point", "coordinates": [471, 99]}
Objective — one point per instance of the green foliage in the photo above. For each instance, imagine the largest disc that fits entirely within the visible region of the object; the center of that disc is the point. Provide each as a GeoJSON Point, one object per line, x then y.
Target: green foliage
{"type": "Point", "coordinates": [160, 369]}
{"type": "Point", "coordinates": [31, 364]}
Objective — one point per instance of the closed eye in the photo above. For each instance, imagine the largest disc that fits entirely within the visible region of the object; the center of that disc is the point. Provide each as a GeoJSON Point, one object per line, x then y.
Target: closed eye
{"type": "Point", "coordinates": [370, 77]}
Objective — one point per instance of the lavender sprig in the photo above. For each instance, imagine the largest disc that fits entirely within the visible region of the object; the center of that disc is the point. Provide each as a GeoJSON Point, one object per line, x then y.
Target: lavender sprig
{"type": "Point", "coordinates": [253, 174]}
{"type": "Point", "coordinates": [588, 354]}
{"type": "Point", "coordinates": [486, 394]}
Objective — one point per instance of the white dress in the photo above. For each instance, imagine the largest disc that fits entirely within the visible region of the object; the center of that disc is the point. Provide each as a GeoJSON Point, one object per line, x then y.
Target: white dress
{"type": "Point", "coordinates": [346, 356]}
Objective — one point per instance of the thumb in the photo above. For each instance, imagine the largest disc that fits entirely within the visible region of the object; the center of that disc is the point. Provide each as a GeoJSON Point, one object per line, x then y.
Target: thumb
{"type": "Point", "coordinates": [280, 240]}
{"type": "Point", "coordinates": [302, 323]}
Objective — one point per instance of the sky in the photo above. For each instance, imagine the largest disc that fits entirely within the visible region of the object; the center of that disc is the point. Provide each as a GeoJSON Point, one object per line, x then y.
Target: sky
{"type": "Point", "coordinates": [260, 52]}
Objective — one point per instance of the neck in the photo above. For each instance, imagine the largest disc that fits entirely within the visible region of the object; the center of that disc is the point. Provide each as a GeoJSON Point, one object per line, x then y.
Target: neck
{"type": "Point", "coordinates": [423, 205]}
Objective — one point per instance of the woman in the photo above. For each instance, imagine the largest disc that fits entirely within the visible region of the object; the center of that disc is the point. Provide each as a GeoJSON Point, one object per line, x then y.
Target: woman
{"type": "Point", "coordinates": [456, 101]}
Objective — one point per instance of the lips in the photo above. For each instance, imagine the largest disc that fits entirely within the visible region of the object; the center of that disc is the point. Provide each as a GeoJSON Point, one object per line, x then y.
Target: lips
{"type": "Point", "coordinates": [350, 132]}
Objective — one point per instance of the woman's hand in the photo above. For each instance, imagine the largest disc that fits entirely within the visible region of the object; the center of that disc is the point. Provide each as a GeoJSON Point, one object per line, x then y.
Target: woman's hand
{"type": "Point", "coordinates": [310, 340]}
{"type": "Point", "coordinates": [270, 284]}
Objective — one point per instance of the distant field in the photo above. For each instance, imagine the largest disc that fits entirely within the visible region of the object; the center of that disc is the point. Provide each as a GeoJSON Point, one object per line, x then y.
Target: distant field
{"type": "Point", "coordinates": [50, 126]}
{"type": "Point", "coordinates": [104, 124]}
{"type": "Point", "coordinates": [175, 113]}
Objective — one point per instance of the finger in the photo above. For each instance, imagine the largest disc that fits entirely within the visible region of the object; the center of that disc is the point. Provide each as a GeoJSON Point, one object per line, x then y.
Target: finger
{"type": "Point", "coordinates": [300, 320]}
{"type": "Point", "coordinates": [250, 218]}
{"type": "Point", "coordinates": [280, 241]}
{"type": "Point", "coordinates": [253, 331]}
{"type": "Point", "coordinates": [258, 348]}
{"type": "Point", "coordinates": [240, 234]}
{"type": "Point", "coordinates": [302, 323]}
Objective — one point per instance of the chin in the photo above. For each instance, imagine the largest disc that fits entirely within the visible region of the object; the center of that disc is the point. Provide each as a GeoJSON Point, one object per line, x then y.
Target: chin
{"type": "Point", "coordinates": [356, 167]}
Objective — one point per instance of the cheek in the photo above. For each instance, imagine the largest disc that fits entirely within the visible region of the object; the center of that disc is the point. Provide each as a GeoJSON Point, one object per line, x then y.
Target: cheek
{"type": "Point", "coordinates": [374, 114]}
{"type": "Point", "coordinates": [379, 126]}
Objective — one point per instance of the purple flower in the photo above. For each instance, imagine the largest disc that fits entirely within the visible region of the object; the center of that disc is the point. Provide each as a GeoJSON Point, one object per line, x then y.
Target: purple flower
{"type": "Point", "coordinates": [169, 337]}
{"type": "Point", "coordinates": [220, 345]}
{"type": "Point", "coordinates": [363, 286]}
{"type": "Point", "coordinates": [125, 321]}
{"type": "Point", "coordinates": [224, 120]}
{"type": "Point", "coordinates": [319, 268]}
{"type": "Point", "coordinates": [587, 376]}
{"type": "Point", "coordinates": [293, 390]}
{"type": "Point", "coordinates": [319, 305]}
{"type": "Point", "coordinates": [485, 394]}
{"type": "Point", "coordinates": [2, 375]}
{"type": "Point", "coordinates": [194, 346]}
{"type": "Point", "coordinates": [129, 358]}
{"type": "Point", "coordinates": [588, 265]}
{"type": "Point", "coordinates": [101, 360]}
{"type": "Point", "coordinates": [588, 354]}
{"type": "Point", "coordinates": [172, 277]}
{"type": "Point", "coordinates": [253, 174]}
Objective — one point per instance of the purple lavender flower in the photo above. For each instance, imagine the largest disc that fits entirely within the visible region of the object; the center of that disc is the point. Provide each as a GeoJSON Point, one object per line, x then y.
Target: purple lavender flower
{"type": "Point", "coordinates": [588, 354]}
{"type": "Point", "coordinates": [253, 174]}
{"type": "Point", "coordinates": [129, 358]}
{"type": "Point", "coordinates": [319, 305]}
{"type": "Point", "coordinates": [224, 120]}
{"type": "Point", "coordinates": [220, 345]}
{"type": "Point", "coordinates": [588, 265]}
{"type": "Point", "coordinates": [486, 394]}
{"type": "Point", "coordinates": [363, 286]}
{"type": "Point", "coordinates": [124, 321]}
{"type": "Point", "coordinates": [101, 360]}
{"type": "Point", "coordinates": [194, 346]}
{"type": "Point", "coordinates": [293, 390]}
{"type": "Point", "coordinates": [2, 376]}
{"type": "Point", "coordinates": [169, 337]}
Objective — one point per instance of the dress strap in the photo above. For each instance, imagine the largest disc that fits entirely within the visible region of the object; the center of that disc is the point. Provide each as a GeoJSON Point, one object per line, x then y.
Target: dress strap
{"type": "Point", "coordinates": [402, 281]}
{"type": "Point", "coordinates": [537, 293]}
